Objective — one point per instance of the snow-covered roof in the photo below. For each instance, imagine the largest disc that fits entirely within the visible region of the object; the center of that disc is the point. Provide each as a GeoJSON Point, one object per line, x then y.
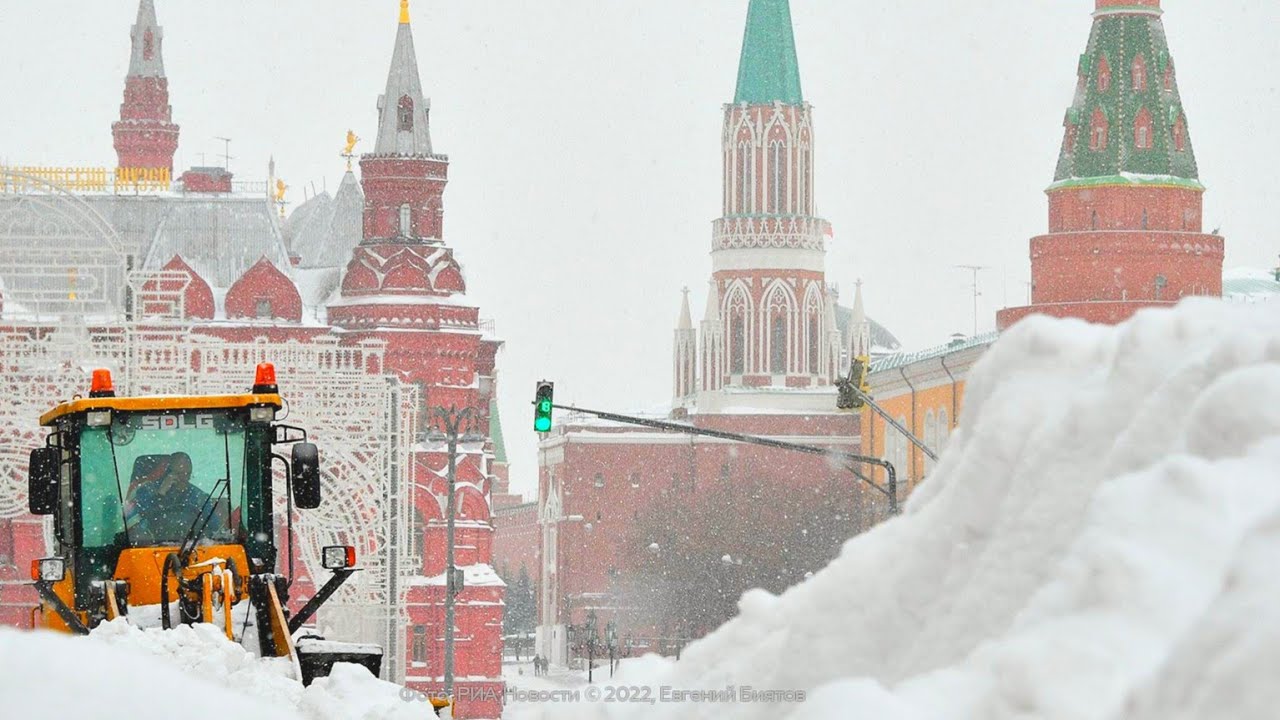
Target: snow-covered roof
{"type": "Point", "coordinates": [903, 359]}
{"type": "Point", "coordinates": [473, 576]}
{"type": "Point", "coordinates": [324, 230]}
{"type": "Point", "coordinates": [219, 236]}
{"type": "Point", "coordinates": [1250, 285]}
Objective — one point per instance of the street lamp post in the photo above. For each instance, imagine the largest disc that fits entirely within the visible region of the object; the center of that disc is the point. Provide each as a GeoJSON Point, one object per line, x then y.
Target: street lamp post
{"type": "Point", "coordinates": [591, 645]}
{"type": "Point", "coordinates": [453, 420]}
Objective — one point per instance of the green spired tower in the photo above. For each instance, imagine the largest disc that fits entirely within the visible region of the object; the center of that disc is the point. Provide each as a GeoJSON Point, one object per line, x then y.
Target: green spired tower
{"type": "Point", "coordinates": [1125, 206]}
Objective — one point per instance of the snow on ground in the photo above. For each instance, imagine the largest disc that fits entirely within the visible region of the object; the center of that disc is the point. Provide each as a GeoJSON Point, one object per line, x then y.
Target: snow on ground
{"type": "Point", "coordinates": [193, 673]}
{"type": "Point", "coordinates": [1098, 542]}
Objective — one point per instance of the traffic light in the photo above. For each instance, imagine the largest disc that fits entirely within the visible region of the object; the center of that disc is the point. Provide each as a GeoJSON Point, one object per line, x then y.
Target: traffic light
{"type": "Point", "coordinates": [542, 403]}
{"type": "Point", "coordinates": [847, 399]}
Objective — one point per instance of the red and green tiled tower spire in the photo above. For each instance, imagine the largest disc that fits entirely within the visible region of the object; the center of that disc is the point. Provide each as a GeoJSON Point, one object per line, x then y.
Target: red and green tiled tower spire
{"type": "Point", "coordinates": [1125, 207]}
{"type": "Point", "coordinates": [145, 136]}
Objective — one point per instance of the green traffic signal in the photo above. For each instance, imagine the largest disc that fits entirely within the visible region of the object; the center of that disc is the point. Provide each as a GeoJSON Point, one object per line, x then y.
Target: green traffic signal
{"type": "Point", "coordinates": [542, 405]}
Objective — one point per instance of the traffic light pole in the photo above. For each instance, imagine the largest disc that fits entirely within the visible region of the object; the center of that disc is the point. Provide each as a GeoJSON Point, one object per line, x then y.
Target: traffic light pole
{"type": "Point", "coordinates": [891, 492]}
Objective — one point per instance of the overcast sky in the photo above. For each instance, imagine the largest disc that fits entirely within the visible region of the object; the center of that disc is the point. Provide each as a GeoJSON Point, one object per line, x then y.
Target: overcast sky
{"type": "Point", "coordinates": [584, 139]}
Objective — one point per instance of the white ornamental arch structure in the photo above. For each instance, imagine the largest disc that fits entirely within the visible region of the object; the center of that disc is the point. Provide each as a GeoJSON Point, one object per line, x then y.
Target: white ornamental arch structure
{"type": "Point", "coordinates": [58, 255]}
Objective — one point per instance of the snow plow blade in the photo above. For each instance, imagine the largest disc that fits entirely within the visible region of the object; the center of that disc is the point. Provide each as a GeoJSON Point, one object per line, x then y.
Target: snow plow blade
{"type": "Point", "coordinates": [317, 656]}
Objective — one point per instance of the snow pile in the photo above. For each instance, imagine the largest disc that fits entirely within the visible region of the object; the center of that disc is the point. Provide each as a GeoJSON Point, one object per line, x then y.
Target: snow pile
{"type": "Point", "coordinates": [190, 672]}
{"type": "Point", "coordinates": [1098, 542]}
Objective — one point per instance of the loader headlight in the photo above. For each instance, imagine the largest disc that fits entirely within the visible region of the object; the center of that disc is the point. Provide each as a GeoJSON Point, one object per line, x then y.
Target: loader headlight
{"type": "Point", "coordinates": [48, 569]}
{"type": "Point", "coordinates": [262, 414]}
{"type": "Point", "coordinates": [98, 418]}
{"type": "Point", "coordinates": [338, 557]}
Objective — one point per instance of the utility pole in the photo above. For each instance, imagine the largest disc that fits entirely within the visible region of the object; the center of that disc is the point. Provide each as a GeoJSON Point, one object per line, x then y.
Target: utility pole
{"type": "Point", "coordinates": [975, 269]}
{"type": "Point", "coordinates": [453, 420]}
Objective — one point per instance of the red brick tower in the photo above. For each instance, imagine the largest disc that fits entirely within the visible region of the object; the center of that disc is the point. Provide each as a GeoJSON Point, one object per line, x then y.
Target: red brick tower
{"type": "Point", "coordinates": [404, 287]}
{"type": "Point", "coordinates": [1125, 205]}
{"type": "Point", "coordinates": [767, 322]}
{"type": "Point", "coordinates": [145, 136]}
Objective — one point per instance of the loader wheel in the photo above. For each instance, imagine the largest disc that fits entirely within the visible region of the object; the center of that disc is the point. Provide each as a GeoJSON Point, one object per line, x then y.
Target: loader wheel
{"type": "Point", "coordinates": [173, 566]}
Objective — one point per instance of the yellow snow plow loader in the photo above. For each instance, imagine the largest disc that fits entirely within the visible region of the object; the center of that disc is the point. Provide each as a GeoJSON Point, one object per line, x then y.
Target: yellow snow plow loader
{"type": "Point", "coordinates": [163, 506]}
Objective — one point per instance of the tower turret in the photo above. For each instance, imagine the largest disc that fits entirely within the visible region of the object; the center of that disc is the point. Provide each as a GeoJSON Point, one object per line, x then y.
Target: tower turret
{"type": "Point", "coordinates": [1125, 207]}
{"type": "Point", "coordinates": [686, 355]}
{"type": "Point", "coordinates": [145, 136]}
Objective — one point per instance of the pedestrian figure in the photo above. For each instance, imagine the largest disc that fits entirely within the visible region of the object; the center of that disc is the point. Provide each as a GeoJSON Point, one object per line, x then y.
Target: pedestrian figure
{"type": "Point", "coordinates": [537, 665]}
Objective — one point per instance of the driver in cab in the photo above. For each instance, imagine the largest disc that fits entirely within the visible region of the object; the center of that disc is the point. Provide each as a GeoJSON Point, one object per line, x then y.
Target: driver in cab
{"type": "Point", "coordinates": [164, 507]}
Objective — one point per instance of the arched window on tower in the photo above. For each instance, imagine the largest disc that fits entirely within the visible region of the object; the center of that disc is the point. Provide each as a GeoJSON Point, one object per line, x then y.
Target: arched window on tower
{"type": "Point", "coordinates": [1098, 130]}
{"type": "Point", "coordinates": [406, 221]}
{"type": "Point", "coordinates": [1142, 130]}
{"type": "Point", "coordinates": [1139, 73]}
{"type": "Point", "coordinates": [1168, 77]}
{"type": "Point", "coordinates": [148, 45]}
{"type": "Point", "coordinates": [1069, 138]}
{"type": "Point", "coordinates": [814, 329]}
{"type": "Point", "coordinates": [746, 176]}
{"type": "Point", "coordinates": [1180, 134]}
{"type": "Point", "coordinates": [778, 177]}
{"type": "Point", "coordinates": [404, 114]}
{"type": "Point", "coordinates": [737, 334]}
{"type": "Point", "coordinates": [779, 315]}
{"type": "Point", "coordinates": [805, 173]}
{"type": "Point", "coordinates": [1104, 75]}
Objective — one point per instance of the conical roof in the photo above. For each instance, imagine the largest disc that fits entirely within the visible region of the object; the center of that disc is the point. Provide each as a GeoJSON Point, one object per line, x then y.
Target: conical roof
{"type": "Point", "coordinates": [686, 318]}
{"type": "Point", "coordinates": [1126, 123]}
{"type": "Point", "coordinates": [403, 112]}
{"type": "Point", "coordinates": [146, 58]}
{"type": "Point", "coordinates": [768, 71]}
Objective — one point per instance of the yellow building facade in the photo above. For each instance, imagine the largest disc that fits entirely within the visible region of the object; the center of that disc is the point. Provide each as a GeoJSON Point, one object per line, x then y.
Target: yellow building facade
{"type": "Point", "coordinates": [924, 392]}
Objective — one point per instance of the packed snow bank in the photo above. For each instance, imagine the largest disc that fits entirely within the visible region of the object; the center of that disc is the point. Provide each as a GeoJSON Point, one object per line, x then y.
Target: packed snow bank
{"type": "Point", "coordinates": [122, 671]}
{"type": "Point", "coordinates": [1098, 541]}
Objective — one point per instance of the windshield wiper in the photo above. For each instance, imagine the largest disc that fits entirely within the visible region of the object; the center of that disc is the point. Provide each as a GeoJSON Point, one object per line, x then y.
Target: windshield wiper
{"type": "Point", "coordinates": [115, 465]}
{"type": "Point", "coordinates": [202, 518]}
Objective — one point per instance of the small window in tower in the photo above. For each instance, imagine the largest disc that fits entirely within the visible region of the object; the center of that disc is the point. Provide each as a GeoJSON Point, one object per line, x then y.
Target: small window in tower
{"type": "Point", "coordinates": [1180, 134]}
{"type": "Point", "coordinates": [405, 114]}
{"type": "Point", "coordinates": [1093, 221]}
{"type": "Point", "coordinates": [419, 651]}
{"type": "Point", "coordinates": [1104, 75]}
{"type": "Point", "coordinates": [1142, 130]}
{"type": "Point", "coordinates": [262, 309]}
{"type": "Point", "coordinates": [1168, 78]}
{"type": "Point", "coordinates": [1139, 74]}
{"type": "Point", "coordinates": [148, 45]}
{"type": "Point", "coordinates": [406, 221]}
{"type": "Point", "coordinates": [746, 177]}
{"type": "Point", "coordinates": [737, 335]}
{"type": "Point", "coordinates": [1098, 131]}
{"type": "Point", "coordinates": [1069, 139]}
{"type": "Point", "coordinates": [599, 480]}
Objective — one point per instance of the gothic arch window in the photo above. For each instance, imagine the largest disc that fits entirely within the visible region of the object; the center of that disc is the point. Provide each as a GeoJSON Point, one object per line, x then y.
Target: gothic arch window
{"type": "Point", "coordinates": [805, 173]}
{"type": "Point", "coordinates": [737, 333]}
{"type": "Point", "coordinates": [813, 326]}
{"type": "Point", "coordinates": [1069, 138]}
{"type": "Point", "coordinates": [1098, 131]}
{"type": "Point", "coordinates": [404, 114]}
{"type": "Point", "coordinates": [778, 176]}
{"type": "Point", "coordinates": [778, 316]}
{"type": "Point", "coordinates": [1180, 134]}
{"type": "Point", "coordinates": [1104, 75]}
{"type": "Point", "coordinates": [1142, 130]}
{"type": "Point", "coordinates": [1168, 77]}
{"type": "Point", "coordinates": [1139, 73]}
{"type": "Point", "coordinates": [746, 177]}
{"type": "Point", "coordinates": [406, 221]}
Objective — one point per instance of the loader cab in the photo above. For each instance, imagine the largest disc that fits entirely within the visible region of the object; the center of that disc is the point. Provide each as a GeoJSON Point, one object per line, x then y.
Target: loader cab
{"type": "Point", "coordinates": [162, 472]}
